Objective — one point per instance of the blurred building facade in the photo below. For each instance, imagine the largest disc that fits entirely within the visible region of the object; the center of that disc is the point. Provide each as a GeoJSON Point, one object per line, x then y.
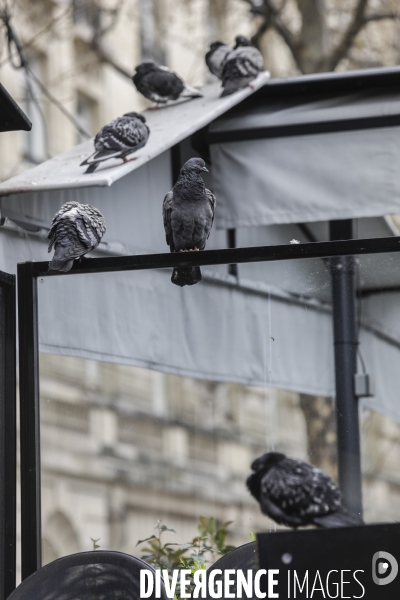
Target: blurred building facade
{"type": "Point", "coordinates": [123, 447]}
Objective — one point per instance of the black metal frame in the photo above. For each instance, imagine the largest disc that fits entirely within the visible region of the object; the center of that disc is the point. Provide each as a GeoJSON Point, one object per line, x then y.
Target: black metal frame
{"type": "Point", "coordinates": [345, 338]}
{"type": "Point", "coordinates": [29, 353]}
{"type": "Point", "coordinates": [7, 434]}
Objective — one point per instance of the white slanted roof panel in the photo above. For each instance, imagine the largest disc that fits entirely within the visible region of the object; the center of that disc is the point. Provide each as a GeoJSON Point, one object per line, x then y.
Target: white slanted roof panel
{"type": "Point", "coordinates": [168, 126]}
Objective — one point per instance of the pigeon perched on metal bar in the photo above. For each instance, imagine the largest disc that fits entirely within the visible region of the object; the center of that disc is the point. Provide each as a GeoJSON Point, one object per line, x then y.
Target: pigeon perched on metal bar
{"type": "Point", "coordinates": [296, 494]}
{"type": "Point", "coordinates": [216, 56]}
{"type": "Point", "coordinates": [118, 139]}
{"type": "Point", "coordinates": [159, 84]}
{"type": "Point", "coordinates": [188, 214]}
{"type": "Point", "coordinates": [240, 66]}
{"type": "Point", "coordinates": [75, 230]}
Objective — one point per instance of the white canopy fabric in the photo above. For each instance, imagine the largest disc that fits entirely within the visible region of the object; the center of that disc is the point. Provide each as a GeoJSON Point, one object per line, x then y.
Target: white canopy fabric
{"type": "Point", "coordinates": [292, 177]}
{"type": "Point", "coordinates": [272, 328]}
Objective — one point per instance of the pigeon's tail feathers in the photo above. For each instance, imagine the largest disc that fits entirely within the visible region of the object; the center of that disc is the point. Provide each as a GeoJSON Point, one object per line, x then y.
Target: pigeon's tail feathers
{"type": "Point", "coordinates": [92, 167]}
{"type": "Point", "coordinates": [338, 519]}
{"type": "Point", "coordinates": [234, 85]}
{"type": "Point", "coordinates": [191, 92]}
{"type": "Point", "coordinates": [97, 157]}
{"type": "Point", "coordinates": [186, 276]}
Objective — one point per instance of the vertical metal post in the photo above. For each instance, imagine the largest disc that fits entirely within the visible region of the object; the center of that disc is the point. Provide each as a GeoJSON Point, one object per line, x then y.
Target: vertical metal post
{"type": "Point", "coordinates": [232, 269]}
{"type": "Point", "coordinates": [8, 455]}
{"type": "Point", "coordinates": [345, 344]}
{"type": "Point", "coordinates": [31, 543]}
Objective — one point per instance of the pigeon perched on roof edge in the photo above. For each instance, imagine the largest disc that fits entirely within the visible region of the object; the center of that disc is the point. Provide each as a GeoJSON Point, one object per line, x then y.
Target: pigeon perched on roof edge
{"type": "Point", "coordinates": [216, 56]}
{"type": "Point", "coordinates": [118, 139]}
{"type": "Point", "coordinates": [75, 230]}
{"type": "Point", "coordinates": [188, 215]}
{"type": "Point", "coordinates": [296, 494]}
{"type": "Point", "coordinates": [240, 66]}
{"type": "Point", "coordinates": [159, 84]}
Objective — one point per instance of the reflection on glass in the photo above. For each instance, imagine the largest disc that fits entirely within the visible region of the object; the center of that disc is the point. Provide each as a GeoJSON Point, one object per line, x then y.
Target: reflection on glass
{"type": "Point", "coordinates": [126, 446]}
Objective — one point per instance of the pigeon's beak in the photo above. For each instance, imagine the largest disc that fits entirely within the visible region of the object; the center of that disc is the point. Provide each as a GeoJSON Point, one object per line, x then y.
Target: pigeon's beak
{"type": "Point", "coordinates": [204, 169]}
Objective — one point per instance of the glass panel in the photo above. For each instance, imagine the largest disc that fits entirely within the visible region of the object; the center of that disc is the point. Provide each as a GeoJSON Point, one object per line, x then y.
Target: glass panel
{"type": "Point", "coordinates": [194, 384]}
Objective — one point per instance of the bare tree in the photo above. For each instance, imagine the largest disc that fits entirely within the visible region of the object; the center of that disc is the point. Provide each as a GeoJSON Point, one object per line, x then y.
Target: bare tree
{"type": "Point", "coordinates": [316, 45]}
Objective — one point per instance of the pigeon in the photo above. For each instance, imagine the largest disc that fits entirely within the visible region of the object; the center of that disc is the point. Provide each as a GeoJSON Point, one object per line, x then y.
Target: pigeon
{"type": "Point", "coordinates": [240, 66]}
{"type": "Point", "coordinates": [216, 56]}
{"type": "Point", "coordinates": [117, 139]}
{"type": "Point", "coordinates": [188, 214]}
{"type": "Point", "coordinates": [159, 84]}
{"type": "Point", "coordinates": [75, 230]}
{"type": "Point", "coordinates": [296, 494]}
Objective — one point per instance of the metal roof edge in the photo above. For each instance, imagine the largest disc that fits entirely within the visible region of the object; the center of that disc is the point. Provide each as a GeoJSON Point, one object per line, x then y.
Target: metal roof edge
{"type": "Point", "coordinates": [184, 118]}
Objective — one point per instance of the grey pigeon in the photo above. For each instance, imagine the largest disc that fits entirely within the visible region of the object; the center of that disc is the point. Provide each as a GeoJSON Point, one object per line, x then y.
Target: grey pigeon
{"type": "Point", "coordinates": [75, 230]}
{"type": "Point", "coordinates": [296, 494]}
{"type": "Point", "coordinates": [240, 66]}
{"type": "Point", "coordinates": [159, 84]}
{"type": "Point", "coordinates": [117, 139]}
{"type": "Point", "coordinates": [188, 214]}
{"type": "Point", "coordinates": [216, 56]}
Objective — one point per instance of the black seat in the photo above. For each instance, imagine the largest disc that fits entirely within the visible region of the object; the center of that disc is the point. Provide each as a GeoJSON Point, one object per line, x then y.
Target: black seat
{"type": "Point", "coordinates": [95, 575]}
{"type": "Point", "coordinates": [244, 558]}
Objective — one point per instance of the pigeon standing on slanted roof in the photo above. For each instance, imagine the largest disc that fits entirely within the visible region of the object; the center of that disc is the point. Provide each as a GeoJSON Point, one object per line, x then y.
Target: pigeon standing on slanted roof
{"type": "Point", "coordinates": [159, 84]}
{"type": "Point", "coordinates": [75, 230]}
{"type": "Point", "coordinates": [216, 56]}
{"type": "Point", "coordinates": [296, 494]}
{"type": "Point", "coordinates": [118, 139]}
{"type": "Point", "coordinates": [241, 66]}
{"type": "Point", "coordinates": [188, 214]}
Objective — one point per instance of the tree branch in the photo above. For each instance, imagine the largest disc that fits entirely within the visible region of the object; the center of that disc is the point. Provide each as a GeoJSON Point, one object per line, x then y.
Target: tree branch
{"type": "Point", "coordinates": [346, 42]}
{"type": "Point", "coordinates": [380, 17]}
{"type": "Point", "coordinates": [257, 37]}
{"type": "Point", "coordinates": [105, 56]}
{"type": "Point", "coordinates": [283, 31]}
{"type": "Point", "coordinates": [97, 42]}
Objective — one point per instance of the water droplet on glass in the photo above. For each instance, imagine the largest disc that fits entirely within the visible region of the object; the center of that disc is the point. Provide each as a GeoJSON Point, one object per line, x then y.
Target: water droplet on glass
{"type": "Point", "coordinates": [42, 281]}
{"type": "Point", "coordinates": [286, 558]}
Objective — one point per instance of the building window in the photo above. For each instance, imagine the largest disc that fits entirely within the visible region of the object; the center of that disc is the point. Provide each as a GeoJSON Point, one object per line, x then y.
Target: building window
{"type": "Point", "coordinates": [85, 115]}
{"type": "Point", "coordinates": [35, 142]}
{"type": "Point", "coordinates": [86, 12]}
{"type": "Point", "coordinates": [151, 37]}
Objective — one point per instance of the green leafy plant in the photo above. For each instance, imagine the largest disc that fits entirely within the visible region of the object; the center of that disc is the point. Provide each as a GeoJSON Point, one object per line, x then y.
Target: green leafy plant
{"type": "Point", "coordinates": [201, 551]}
{"type": "Point", "coordinates": [95, 544]}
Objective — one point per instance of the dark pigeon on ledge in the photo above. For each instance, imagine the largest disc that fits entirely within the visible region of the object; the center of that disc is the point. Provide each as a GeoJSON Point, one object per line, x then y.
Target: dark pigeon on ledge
{"type": "Point", "coordinates": [188, 214]}
{"type": "Point", "coordinates": [75, 230]}
{"type": "Point", "coordinates": [296, 494]}
{"type": "Point", "coordinates": [118, 139]}
{"type": "Point", "coordinates": [159, 84]}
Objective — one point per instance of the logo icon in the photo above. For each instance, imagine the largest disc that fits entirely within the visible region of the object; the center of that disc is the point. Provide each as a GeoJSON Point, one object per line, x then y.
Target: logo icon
{"type": "Point", "coordinates": [384, 568]}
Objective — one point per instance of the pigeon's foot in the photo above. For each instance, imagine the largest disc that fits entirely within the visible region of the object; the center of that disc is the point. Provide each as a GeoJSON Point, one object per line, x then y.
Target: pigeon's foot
{"type": "Point", "coordinates": [129, 159]}
{"type": "Point", "coordinates": [154, 107]}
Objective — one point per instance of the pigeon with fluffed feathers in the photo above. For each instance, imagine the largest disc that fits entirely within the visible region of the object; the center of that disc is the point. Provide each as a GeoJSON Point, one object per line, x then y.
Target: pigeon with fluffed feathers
{"type": "Point", "coordinates": [159, 84]}
{"type": "Point", "coordinates": [188, 215]}
{"type": "Point", "coordinates": [118, 139]}
{"type": "Point", "coordinates": [216, 56]}
{"type": "Point", "coordinates": [295, 493]}
{"type": "Point", "coordinates": [75, 230]}
{"type": "Point", "coordinates": [240, 66]}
